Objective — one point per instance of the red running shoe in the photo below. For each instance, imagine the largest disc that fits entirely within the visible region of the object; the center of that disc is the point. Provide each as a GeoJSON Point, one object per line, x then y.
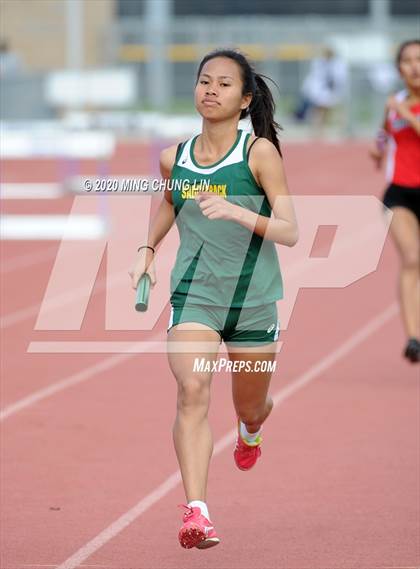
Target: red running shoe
{"type": "Point", "coordinates": [197, 530]}
{"type": "Point", "coordinates": [246, 454]}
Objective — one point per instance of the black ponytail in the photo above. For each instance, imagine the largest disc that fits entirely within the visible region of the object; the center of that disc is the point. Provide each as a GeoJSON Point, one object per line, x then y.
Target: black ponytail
{"type": "Point", "coordinates": [262, 105]}
{"type": "Point", "coordinates": [262, 110]}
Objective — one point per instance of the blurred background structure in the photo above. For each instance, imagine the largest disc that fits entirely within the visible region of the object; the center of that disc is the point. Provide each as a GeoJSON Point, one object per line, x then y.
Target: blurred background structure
{"type": "Point", "coordinates": [139, 56]}
{"type": "Point", "coordinates": [83, 79]}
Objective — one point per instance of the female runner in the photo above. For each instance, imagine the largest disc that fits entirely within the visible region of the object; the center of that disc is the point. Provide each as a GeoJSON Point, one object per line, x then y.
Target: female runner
{"type": "Point", "coordinates": [401, 138]}
{"type": "Point", "coordinates": [233, 206]}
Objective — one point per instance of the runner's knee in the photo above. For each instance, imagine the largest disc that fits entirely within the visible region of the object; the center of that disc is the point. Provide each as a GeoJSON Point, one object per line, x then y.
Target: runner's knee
{"type": "Point", "coordinates": [193, 393]}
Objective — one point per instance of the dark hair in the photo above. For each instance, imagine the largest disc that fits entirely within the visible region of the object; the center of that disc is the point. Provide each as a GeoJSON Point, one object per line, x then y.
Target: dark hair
{"type": "Point", "coordinates": [262, 106]}
{"type": "Point", "coordinates": [402, 48]}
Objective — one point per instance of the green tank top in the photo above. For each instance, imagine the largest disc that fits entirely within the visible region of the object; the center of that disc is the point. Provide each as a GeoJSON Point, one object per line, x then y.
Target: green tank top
{"type": "Point", "coordinates": [220, 262]}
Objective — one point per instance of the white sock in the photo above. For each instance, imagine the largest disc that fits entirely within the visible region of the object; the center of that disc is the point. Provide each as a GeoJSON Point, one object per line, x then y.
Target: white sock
{"type": "Point", "coordinates": [249, 437]}
{"type": "Point", "coordinates": [202, 506]}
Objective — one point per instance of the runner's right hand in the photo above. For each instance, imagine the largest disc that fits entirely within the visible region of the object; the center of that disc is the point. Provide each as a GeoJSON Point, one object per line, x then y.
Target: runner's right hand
{"type": "Point", "coordinates": [144, 263]}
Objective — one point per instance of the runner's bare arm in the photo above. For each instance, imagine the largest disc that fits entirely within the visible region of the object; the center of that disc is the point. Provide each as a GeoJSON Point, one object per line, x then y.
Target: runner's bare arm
{"type": "Point", "coordinates": [159, 227]}
{"type": "Point", "coordinates": [378, 152]}
{"type": "Point", "coordinates": [269, 172]}
{"type": "Point", "coordinates": [165, 215]}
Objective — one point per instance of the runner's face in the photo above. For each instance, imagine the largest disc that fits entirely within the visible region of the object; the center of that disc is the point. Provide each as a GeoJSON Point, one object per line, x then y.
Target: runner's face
{"type": "Point", "coordinates": [410, 66]}
{"type": "Point", "coordinates": [218, 92]}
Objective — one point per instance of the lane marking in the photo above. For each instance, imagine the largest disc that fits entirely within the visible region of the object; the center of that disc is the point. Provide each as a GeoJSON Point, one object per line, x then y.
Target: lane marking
{"type": "Point", "coordinates": [28, 260]}
{"type": "Point", "coordinates": [226, 441]}
{"type": "Point", "coordinates": [31, 191]}
{"type": "Point", "coordinates": [57, 226]}
{"type": "Point", "coordinates": [59, 300]}
{"type": "Point", "coordinates": [74, 379]}
{"type": "Point", "coordinates": [326, 362]}
{"type": "Point", "coordinates": [129, 350]}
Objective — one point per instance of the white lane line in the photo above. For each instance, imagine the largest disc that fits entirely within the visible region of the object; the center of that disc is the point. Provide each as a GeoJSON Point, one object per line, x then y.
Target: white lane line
{"type": "Point", "coordinates": [31, 191]}
{"type": "Point", "coordinates": [59, 300]}
{"type": "Point", "coordinates": [130, 350]}
{"type": "Point", "coordinates": [28, 260]}
{"type": "Point", "coordinates": [57, 226]}
{"type": "Point", "coordinates": [326, 362]}
{"type": "Point", "coordinates": [19, 316]}
{"type": "Point", "coordinates": [64, 383]}
{"type": "Point", "coordinates": [226, 441]}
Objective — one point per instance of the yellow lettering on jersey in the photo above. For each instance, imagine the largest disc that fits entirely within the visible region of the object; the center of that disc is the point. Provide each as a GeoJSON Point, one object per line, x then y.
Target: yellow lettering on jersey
{"type": "Point", "coordinates": [189, 191]}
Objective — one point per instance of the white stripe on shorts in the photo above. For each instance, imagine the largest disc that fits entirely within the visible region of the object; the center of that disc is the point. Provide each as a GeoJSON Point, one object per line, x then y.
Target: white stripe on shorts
{"type": "Point", "coordinates": [171, 318]}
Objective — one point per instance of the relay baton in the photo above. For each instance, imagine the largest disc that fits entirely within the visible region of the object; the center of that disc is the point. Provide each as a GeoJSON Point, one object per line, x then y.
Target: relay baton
{"type": "Point", "coordinates": [143, 291]}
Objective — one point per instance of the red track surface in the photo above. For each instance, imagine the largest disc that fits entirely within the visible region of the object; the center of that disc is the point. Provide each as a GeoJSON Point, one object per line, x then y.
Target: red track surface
{"type": "Point", "coordinates": [338, 483]}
